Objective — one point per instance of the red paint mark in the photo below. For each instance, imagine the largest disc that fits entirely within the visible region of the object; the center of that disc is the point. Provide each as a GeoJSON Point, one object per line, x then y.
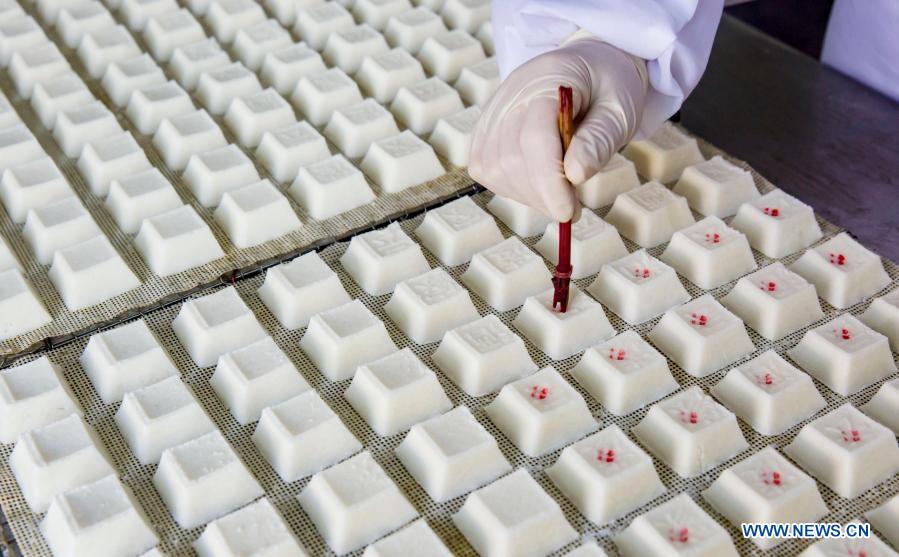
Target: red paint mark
{"type": "Point", "coordinates": [690, 417]}
{"type": "Point", "coordinates": [606, 455]}
{"type": "Point", "coordinates": [768, 379]}
{"type": "Point", "coordinates": [770, 286]}
{"type": "Point", "coordinates": [681, 535]}
{"type": "Point", "coordinates": [851, 436]}
{"type": "Point", "coordinates": [713, 238]}
{"type": "Point", "coordinates": [617, 354]}
{"type": "Point", "coordinates": [539, 393]}
{"type": "Point", "coordinates": [843, 333]}
{"type": "Point", "coordinates": [696, 319]}
{"type": "Point", "coordinates": [771, 211]}
{"type": "Point", "coordinates": [837, 258]}
{"type": "Point", "coordinates": [771, 478]}
{"type": "Point", "coordinates": [641, 272]}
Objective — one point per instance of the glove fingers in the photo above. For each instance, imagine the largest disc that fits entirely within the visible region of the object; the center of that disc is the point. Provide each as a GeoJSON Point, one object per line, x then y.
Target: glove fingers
{"type": "Point", "coordinates": [599, 135]}
{"type": "Point", "coordinates": [511, 160]}
{"type": "Point", "coordinates": [486, 139]}
{"type": "Point", "coordinates": [483, 147]}
{"type": "Point", "coordinates": [476, 168]}
{"type": "Point", "coordinates": [542, 147]}
{"type": "Point", "coordinates": [487, 150]}
{"type": "Point", "coordinates": [482, 167]}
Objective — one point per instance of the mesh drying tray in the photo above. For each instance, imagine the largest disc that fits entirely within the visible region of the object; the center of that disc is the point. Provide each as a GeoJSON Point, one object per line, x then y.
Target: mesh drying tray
{"type": "Point", "coordinates": [176, 541]}
{"type": "Point", "coordinates": [156, 290]}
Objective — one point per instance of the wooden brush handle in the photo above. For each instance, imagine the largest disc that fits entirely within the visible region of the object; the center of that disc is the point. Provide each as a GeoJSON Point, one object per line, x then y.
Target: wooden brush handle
{"type": "Point", "coordinates": [566, 131]}
{"type": "Point", "coordinates": [562, 274]}
{"type": "Point", "coordinates": [566, 116]}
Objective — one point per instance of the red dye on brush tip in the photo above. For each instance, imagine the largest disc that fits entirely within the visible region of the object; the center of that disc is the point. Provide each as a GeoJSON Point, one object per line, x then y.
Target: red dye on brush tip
{"type": "Point", "coordinates": [771, 211]}
{"type": "Point", "coordinates": [618, 354]}
{"type": "Point", "coordinates": [697, 319]}
{"type": "Point", "coordinates": [851, 436]}
{"type": "Point", "coordinates": [713, 238]}
{"type": "Point", "coordinates": [539, 393]}
{"type": "Point", "coordinates": [837, 258]}
{"type": "Point", "coordinates": [681, 535]}
{"type": "Point", "coordinates": [606, 455]}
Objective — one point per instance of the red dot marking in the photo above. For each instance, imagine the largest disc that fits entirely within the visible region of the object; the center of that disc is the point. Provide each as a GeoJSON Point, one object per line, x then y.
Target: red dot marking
{"type": "Point", "coordinates": [713, 238]}
{"type": "Point", "coordinates": [539, 393]}
{"type": "Point", "coordinates": [696, 319]}
{"type": "Point", "coordinates": [851, 436]}
{"type": "Point", "coordinates": [837, 258]}
{"type": "Point", "coordinates": [768, 379]}
{"type": "Point", "coordinates": [641, 272]}
{"type": "Point", "coordinates": [606, 455]}
{"type": "Point", "coordinates": [770, 286]}
{"type": "Point", "coordinates": [771, 478]}
{"type": "Point", "coordinates": [617, 354]}
{"type": "Point", "coordinates": [681, 535]}
{"type": "Point", "coordinates": [689, 417]}
{"type": "Point", "coordinates": [771, 211]}
{"type": "Point", "coordinates": [843, 333]}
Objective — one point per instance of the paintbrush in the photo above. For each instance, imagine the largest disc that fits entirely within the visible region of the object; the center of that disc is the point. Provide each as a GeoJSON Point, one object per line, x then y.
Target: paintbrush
{"type": "Point", "coordinates": [562, 274]}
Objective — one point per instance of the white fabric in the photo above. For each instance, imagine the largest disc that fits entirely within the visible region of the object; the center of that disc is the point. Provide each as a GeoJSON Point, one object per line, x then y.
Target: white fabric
{"type": "Point", "coordinates": [862, 41]}
{"type": "Point", "coordinates": [673, 36]}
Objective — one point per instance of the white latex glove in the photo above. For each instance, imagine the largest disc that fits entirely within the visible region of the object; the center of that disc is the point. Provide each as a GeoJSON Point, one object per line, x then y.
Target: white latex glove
{"type": "Point", "coordinates": [516, 151]}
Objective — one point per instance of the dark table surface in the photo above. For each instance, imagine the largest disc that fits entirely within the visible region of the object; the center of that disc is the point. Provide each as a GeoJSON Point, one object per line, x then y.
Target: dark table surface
{"type": "Point", "coordinates": [812, 131]}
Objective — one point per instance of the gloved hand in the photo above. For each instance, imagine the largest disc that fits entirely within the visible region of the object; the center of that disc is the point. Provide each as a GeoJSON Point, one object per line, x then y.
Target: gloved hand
{"type": "Point", "coordinates": [516, 151]}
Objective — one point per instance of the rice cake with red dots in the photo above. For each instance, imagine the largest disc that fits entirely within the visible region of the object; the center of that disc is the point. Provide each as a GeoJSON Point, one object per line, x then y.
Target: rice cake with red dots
{"type": "Point", "coordinates": [769, 394]}
{"type": "Point", "coordinates": [777, 224]}
{"type": "Point", "coordinates": [690, 432]}
{"type": "Point", "coordinates": [846, 450]}
{"type": "Point", "coordinates": [541, 413]}
{"type": "Point", "coordinates": [606, 475]}
{"type": "Point", "coordinates": [845, 355]}
{"type": "Point", "coordinates": [766, 487]}
{"type": "Point", "coordinates": [676, 528]}
{"type": "Point", "coordinates": [709, 253]}
{"type": "Point", "coordinates": [638, 287]}
{"type": "Point", "coordinates": [624, 373]}
{"type": "Point", "coordinates": [774, 301]}
{"type": "Point", "coordinates": [701, 336]}
{"type": "Point", "coordinates": [843, 271]}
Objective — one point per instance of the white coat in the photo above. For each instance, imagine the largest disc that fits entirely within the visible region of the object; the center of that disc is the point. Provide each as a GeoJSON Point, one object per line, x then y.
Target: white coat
{"type": "Point", "coordinates": [673, 36]}
{"type": "Point", "coordinates": [676, 36]}
{"type": "Point", "coordinates": [862, 41]}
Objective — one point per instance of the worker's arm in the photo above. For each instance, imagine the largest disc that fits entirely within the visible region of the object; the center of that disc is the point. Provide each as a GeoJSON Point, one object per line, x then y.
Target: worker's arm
{"type": "Point", "coordinates": [631, 63]}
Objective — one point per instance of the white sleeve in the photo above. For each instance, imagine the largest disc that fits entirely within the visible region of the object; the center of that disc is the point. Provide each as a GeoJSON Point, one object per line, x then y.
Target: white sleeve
{"type": "Point", "coordinates": [673, 36]}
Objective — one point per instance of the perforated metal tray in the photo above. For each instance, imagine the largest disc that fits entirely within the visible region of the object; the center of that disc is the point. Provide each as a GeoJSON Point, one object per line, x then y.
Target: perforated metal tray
{"type": "Point", "coordinates": [156, 290]}
{"type": "Point", "coordinates": [177, 541]}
